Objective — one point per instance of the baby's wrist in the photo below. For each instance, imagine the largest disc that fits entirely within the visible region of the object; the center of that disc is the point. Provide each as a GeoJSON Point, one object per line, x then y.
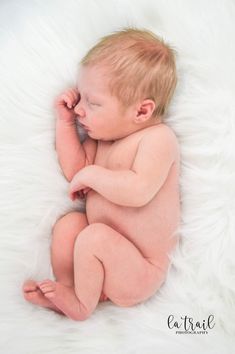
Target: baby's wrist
{"type": "Point", "coordinates": [66, 122]}
{"type": "Point", "coordinates": [87, 175]}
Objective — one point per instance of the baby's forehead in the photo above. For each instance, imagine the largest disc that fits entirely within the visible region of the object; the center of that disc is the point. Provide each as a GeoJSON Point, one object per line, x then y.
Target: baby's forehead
{"type": "Point", "coordinates": [93, 79]}
{"type": "Point", "coordinates": [96, 72]}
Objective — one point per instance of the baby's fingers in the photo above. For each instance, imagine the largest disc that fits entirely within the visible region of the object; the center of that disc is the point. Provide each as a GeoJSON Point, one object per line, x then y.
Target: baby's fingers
{"type": "Point", "coordinates": [75, 195]}
{"type": "Point", "coordinates": [68, 100]}
{"type": "Point", "coordinates": [75, 97]}
{"type": "Point", "coordinates": [86, 190]}
{"type": "Point", "coordinates": [63, 100]}
{"type": "Point", "coordinates": [75, 94]}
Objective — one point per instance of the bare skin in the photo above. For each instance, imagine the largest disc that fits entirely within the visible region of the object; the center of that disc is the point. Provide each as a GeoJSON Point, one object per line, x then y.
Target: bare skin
{"type": "Point", "coordinates": [38, 294]}
{"type": "Point", "coordinates": [131, 184]}
{"type": "Point", "coordinates": [33, 294]}
{"type": "Point", "coordinates": [127, 220]}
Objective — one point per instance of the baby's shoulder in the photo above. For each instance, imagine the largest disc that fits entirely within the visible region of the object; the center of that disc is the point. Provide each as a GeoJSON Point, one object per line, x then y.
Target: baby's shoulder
{"type": "Point", "coordinates": [160, 138]}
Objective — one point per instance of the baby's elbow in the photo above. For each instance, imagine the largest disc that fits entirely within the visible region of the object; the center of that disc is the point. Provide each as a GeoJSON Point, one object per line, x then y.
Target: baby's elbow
{"type": "Point", "coordinates": [71, 173]}
{"type": "Point", "coordinates": [68, 176]}
{"type": "Point", "coordinates": [142, 201]}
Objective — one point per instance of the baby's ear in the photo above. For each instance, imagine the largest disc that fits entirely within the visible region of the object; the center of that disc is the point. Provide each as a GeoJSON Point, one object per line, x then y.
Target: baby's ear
{"type": "Point", "coordinates": [144, 110]}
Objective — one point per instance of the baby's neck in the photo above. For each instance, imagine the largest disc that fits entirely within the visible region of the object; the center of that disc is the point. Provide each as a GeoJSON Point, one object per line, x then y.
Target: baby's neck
{"type": "Point", "coordinates": [154, 123]}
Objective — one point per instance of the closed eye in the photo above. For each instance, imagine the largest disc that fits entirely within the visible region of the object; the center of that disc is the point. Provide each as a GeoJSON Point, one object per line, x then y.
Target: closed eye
{"type": "Point", "coordinates": [93, 104]}
{"type": "Point", "coordinates": [90, 103]}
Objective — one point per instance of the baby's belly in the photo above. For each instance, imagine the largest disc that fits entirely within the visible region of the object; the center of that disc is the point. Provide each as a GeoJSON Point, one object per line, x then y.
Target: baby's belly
{"type": "Point", "coordinates": [150, 228]}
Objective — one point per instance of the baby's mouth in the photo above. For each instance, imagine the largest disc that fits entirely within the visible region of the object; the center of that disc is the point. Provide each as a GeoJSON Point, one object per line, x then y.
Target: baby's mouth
{"type": "Point", "coordinates": [83, 125]}
{"type": "Point", "coordinates": [85, 128]}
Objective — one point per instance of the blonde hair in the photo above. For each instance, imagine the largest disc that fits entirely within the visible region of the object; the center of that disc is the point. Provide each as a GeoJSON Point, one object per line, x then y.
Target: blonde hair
{"type": "Point", "coordinates": [141, 65]}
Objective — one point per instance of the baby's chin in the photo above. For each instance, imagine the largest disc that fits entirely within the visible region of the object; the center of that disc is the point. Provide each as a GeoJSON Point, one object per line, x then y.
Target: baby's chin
{"type": "Point", "coordinates": [95, 136]}
{"type": "Point", "coordinates": [105, 137]}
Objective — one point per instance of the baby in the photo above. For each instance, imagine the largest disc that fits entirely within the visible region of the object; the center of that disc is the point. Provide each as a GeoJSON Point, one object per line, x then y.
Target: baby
{"type": "Point", "coordinates": [127, 169]}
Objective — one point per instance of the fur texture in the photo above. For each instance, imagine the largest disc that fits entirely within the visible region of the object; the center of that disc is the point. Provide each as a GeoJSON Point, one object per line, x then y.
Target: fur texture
{"type": "Point", "coordinates": [41, 44]}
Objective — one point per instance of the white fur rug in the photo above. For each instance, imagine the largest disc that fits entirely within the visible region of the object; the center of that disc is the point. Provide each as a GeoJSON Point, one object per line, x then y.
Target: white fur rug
{"type": "Point", "coordinates": [41, 43]}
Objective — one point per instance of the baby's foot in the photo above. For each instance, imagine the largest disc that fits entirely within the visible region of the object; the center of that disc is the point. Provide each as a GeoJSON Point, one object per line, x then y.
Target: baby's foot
{"type": "Point", "coordinates": [64, 298]}
{"type": "Point", "coordinates": [33, 294]}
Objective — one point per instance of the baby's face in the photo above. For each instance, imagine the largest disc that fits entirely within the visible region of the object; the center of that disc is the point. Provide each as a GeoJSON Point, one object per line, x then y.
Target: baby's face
{"type": "Point", "coordinates": [99, 112]}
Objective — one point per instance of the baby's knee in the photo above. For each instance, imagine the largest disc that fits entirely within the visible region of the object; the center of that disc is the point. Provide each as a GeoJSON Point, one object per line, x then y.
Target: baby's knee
{"type": "Point", "coordinates": [71, 219]}
{"type": "Point", "coordinates": [94, 237]}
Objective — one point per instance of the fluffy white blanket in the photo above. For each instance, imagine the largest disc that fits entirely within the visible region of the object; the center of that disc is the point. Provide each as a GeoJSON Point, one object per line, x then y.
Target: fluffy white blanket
{"type": "Point", "coordinates": [41, 43]}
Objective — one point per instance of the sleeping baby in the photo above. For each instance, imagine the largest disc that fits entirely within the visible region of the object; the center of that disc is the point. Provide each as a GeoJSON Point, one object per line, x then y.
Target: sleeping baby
{"type": "Point", "coordinates": [127, 169]}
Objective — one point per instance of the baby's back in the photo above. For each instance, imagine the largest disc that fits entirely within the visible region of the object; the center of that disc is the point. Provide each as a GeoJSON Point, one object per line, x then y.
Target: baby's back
{"type": "Point", "coordinates": [152, 228]}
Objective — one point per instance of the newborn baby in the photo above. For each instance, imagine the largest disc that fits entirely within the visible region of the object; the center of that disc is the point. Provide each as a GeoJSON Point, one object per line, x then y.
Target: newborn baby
{"type": "Point", "coordinates": [128, 171]}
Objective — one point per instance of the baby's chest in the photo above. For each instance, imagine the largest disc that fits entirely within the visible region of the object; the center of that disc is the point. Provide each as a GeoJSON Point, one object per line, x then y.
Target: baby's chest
{"type": "Point", "coordinates": [116, 156]}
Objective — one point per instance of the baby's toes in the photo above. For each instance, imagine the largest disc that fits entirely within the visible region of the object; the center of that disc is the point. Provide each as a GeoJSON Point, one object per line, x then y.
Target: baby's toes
{"type": "Point", "coordinates": [46, 286]}
{"type": "Point", "coordinates": [44, 282]}
{"type": "Point", "coordinates": [30, 285]}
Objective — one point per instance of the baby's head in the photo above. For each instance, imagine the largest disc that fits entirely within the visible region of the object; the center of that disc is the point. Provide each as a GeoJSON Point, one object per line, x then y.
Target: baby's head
{"type": "Point", "coordinates": [139, 72]}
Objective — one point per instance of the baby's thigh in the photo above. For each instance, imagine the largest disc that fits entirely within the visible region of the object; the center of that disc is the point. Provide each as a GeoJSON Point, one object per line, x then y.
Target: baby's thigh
{"type": "Point", "coordinates": [128, 277]}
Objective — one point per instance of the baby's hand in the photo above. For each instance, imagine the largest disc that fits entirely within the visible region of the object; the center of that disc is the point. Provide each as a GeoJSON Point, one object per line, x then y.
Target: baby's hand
{"type": "Point", "coordinates": [65, 103]}
{"type": "Point", "coordinates": [79, 194]}
{"type": "Point", "coordinates": [77, 189]}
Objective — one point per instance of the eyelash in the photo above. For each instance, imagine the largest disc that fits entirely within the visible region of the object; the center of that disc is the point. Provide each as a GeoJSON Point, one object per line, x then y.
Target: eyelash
{"type": "Point", "coordinates": [91, 103]}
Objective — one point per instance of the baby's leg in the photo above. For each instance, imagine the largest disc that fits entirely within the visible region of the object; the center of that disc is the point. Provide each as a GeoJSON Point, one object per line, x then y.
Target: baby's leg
{"type": "Point", "coordinates": [104, 259]}
{"type": "Point", "coordinates": [64, 235]}
{"type": "Point", "coordinates": [65, 232]}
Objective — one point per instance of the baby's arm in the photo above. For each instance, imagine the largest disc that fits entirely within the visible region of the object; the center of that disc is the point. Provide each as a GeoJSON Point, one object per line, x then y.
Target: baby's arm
{"type": "Point", "coordinates": [137, 186]}
{"type": "Point", "coordinates": [71, 153]}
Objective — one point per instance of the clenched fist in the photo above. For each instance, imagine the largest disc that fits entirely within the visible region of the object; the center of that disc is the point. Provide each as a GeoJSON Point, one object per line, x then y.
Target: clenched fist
{"type": "Point", "coordinates": [77, 187]}
{"type": "Point", "coordinates": [65, 103]}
